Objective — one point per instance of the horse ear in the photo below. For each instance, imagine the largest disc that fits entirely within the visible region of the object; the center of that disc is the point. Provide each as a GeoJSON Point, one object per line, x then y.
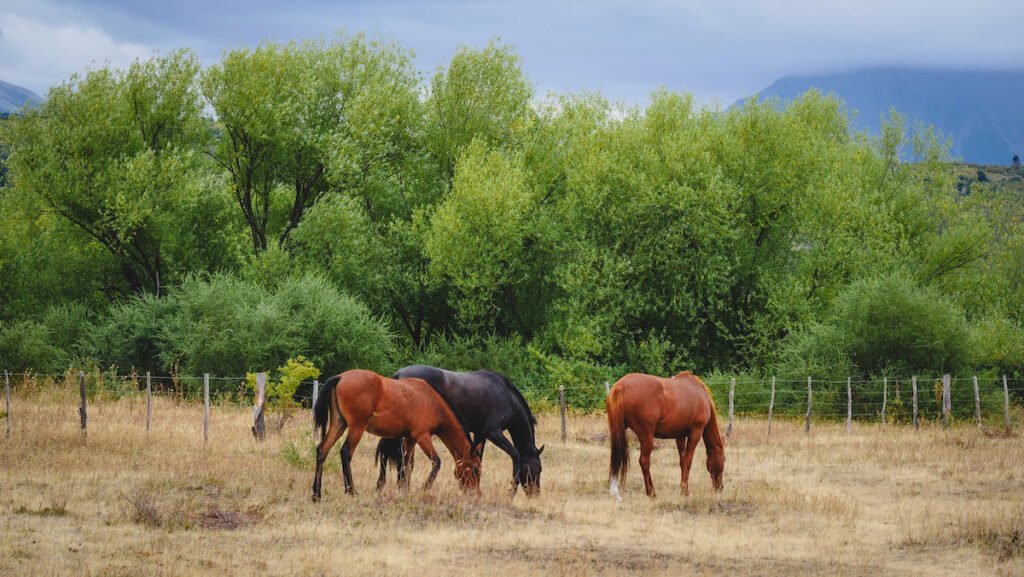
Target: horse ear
{"type": "Point", "coordinates": [540, 450]}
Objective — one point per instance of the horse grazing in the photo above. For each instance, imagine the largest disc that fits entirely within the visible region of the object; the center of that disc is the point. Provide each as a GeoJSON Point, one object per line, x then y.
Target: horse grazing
{"type": "Point", "coordinates": [489, 405]}
{"type": "Point", "coordinates": [679, 408]}
{"type": "Point", "coordinates": [362, 401]}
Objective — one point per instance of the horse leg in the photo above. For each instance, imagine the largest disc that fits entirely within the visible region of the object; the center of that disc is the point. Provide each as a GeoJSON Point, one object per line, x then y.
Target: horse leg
{"type": "Point", "coordinates": [686, 457]}
{"type": "Point", "coordinates": [383, 476]}
{"type": "Point", "coordinates": [334, 430]}
{"type": "Point", "coordinates": [408, 460]}
{"type": "Point", "coordinates": [347, 448]}
{"type": "Point", "coordinates": [684, 465]}
{"type": "Point", "coordinates": [499, 440]}
{"type": "Point", "coordinates": [646, 446]}
{"type": "Point", "coordinates": [427, 445]}
{"type": "Point", "coordinates": [476, 438]}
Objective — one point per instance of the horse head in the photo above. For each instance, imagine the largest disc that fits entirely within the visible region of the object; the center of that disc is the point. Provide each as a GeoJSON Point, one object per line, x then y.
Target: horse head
{"type": "Point", "coordinates": [529, 472]}
{"type": "Point", "coordinates": [467, 469]}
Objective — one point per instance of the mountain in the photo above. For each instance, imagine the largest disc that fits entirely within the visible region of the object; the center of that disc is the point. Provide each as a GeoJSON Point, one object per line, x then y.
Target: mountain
{"type": "Point", "coordinates": [982, 111]}
{"type": "Point", "coordinates": [12, 98]}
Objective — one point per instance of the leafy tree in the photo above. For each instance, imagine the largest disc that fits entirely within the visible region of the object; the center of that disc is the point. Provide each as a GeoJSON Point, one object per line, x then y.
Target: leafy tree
{"type": "Point", "coordinates": [109, 153]}
{"type": "Point", "coordinates": [482, 94]}
{"type": "Point", "coordinates": [480, 240]}
{"type": "Point", "coordinates": [300, 116]}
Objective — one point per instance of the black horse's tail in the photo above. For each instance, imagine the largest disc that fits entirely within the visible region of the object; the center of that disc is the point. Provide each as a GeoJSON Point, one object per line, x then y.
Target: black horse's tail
{"type": "Point", "coordinates": [322, 408]}
{"type": "Point", "coordinates": [389, 452]}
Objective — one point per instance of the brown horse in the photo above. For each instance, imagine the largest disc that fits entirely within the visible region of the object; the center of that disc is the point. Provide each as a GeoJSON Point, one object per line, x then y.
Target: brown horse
{"type": "Point", "coordinates": [679, 408]}
{"type": "Point", "coordinates": [365, 401]}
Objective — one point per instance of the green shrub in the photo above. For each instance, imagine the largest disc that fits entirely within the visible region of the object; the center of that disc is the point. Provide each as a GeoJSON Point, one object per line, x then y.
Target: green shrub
{"type": "Point", "coordinates": [48, 344]}
{"type": "Point", "coordinates": [128, 335]}
{"type": "Point", "coordinates": [892, 323]}
{"type": "Point", "coordinates": [280, 399]}
{"type": "Point", "coordinates": [226, 326]}
{"type": "Point", "coordinates": [998, 346]}
{"type": "Point", "coordinates": [888, 325]}
{"type": "Point", "coordinates": [27, 345]}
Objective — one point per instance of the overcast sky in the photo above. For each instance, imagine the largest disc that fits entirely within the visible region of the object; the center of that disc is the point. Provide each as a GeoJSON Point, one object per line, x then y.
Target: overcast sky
{"type": "Point", "coordinates": [717, 50]}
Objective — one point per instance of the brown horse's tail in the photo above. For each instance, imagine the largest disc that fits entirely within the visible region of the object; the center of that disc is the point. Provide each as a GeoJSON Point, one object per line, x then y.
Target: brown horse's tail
{"type": "Point", "coordinates": [617, 434]}
{"type": "Point", "coordinates": [713, 444]}
{"type": "Point", "coordinates": [322, 408]}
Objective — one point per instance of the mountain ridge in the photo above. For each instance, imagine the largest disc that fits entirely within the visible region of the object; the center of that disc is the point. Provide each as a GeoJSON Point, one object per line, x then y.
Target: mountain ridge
{"type": "Point", "coordinates": [980, 110]}
{"type": "Point", "coordinates": [13, 98]}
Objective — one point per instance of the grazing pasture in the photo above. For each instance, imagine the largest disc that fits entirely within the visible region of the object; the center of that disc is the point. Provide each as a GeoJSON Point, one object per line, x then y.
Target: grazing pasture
{"type": "Point", "coordinates": [879, 500]}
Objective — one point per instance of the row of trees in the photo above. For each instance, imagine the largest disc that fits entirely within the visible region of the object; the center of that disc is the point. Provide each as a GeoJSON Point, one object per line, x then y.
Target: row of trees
{"type": "Point", "coordinates": [159, 217]}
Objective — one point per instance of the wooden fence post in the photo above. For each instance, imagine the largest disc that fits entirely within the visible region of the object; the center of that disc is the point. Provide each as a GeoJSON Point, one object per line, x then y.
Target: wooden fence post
{"type": "Point", "coordinates": [913, 385]}
{"type": "Point", "coordinates": [1006, 405]}
{"type": "Point", "coordinates": [149, 400]}
{"type": "Point", "coordinates": [807, 426]}
{"type": "Point", "coordinates": [259, 424]}
{"type": "Point", "coordinates": [977, 402]}
{"type": "Point", "coordinates": [82, 409]}
{"type": "Point", "coordinates": [206, 407]}
{"type": "Point", "coordinates": [732, 393]}
{"type": "Point", "coordinates": [7, 400]}
{"type": "Point", "coordinates": [946, 403]}
{"type": "Point", "coordinates": [885, 396]}
{"type": "Point", "coordinates": [561, 407]}
{"type": "Point", "coordinates": [849, 404]}
{"type": "Point", "coordinates": [771, 406]}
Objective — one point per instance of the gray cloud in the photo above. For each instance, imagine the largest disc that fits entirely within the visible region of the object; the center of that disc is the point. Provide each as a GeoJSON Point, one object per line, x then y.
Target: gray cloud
{"type": "Point", "coordinates": [719, 51]}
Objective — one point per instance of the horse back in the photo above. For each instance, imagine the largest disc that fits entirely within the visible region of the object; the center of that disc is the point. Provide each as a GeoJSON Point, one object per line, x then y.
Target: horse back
{"type": "Point", "coordinates": [689, 400]}
{"type": "Point", "coordinates": [668, 407]}
{"type": "Point", "coordinates": [642, 399]}
{"type": "Point", "coordinates": [482, 398]}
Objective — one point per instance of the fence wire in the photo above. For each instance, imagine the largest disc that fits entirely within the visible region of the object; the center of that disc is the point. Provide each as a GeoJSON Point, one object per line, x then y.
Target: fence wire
{"type": "Point", "coordinates": [861, 400]}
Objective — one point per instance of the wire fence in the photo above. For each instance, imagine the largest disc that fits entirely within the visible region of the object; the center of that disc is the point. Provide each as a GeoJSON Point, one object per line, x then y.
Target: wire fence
{"type": "Point", "coordinates": [890, 401]}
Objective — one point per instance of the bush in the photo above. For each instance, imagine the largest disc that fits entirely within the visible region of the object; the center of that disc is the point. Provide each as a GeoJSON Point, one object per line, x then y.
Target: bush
{"type": "Point", "coordinates": [892, 323]}
{"type": "Point", "coordinates": [26, 345]}
{"type": "Point", "coordinates": [128, 336]}
{"type": "Point", "coordinates": [887, 325]}
{"type": "Point", "coordinates": [280, 401]}
{"type": "Point", "coordinates": [998, 345]}
{"type": "Point", "coordinates": [226, 326]}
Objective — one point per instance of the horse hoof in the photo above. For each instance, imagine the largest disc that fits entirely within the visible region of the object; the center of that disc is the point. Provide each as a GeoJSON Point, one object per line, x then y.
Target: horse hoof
{"type": "Point", "coordinates": [316, 498]}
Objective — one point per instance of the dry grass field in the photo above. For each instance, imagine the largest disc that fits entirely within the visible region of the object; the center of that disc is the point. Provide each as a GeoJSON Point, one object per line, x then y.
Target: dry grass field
{"type": "Point", "coordinates": [126, 502]}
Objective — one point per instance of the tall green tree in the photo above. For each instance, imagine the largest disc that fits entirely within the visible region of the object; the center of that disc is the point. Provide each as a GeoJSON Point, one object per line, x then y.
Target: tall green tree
{"type": "Point", "coordinates": [482, 94]}
{"type": "Point", "coordinates": [109, 153]}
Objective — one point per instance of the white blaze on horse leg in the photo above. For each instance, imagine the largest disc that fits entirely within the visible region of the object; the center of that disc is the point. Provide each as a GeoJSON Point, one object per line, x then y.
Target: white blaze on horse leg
{"type": "Point", "coordinates": [613, 489]}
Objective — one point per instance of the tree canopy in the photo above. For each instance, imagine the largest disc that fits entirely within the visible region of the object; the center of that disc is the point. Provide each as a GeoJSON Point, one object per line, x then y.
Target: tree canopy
{"type": "Point", "coordinates": [330, 201]}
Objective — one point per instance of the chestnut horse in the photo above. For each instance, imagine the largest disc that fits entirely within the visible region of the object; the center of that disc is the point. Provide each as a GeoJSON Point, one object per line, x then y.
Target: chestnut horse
{"type": "Point", "coordinates": [679, 408]}
{"type": "Point", "coordinates": [360, 401]}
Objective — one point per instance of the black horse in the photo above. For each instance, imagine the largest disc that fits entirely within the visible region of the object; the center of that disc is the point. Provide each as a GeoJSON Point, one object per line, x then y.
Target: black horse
{"type": "Point", "coordinates": [489, 405]}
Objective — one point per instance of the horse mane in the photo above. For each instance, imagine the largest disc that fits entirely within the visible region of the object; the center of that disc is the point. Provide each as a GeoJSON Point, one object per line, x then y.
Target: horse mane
{"type": "Point", "coordinates": [519, 397]}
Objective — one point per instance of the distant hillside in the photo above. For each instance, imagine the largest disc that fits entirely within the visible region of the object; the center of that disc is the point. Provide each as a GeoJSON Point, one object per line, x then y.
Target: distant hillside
{"type": "Point", "coordinates": [13, 98]}
{"type": "Point", "coordinates": [983, 112]}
